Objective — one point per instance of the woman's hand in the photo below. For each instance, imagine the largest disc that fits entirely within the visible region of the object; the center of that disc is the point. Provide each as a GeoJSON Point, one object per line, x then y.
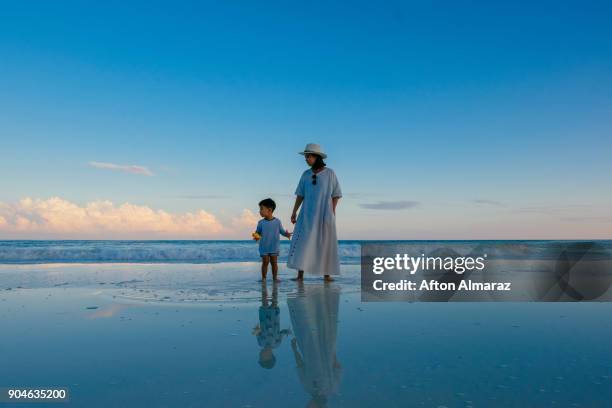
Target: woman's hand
{"type": "Point", "coordinates": [296, 206]}
{"type": "Point", "coordinates": [334, 204]}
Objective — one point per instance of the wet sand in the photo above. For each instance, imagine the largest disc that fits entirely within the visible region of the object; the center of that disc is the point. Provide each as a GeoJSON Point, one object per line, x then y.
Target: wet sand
{"type": "Point", "coordinates": [183, 335]}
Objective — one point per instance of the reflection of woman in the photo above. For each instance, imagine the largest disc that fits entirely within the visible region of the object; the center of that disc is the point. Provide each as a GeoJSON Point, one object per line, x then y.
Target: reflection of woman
{"type": "Point", "coordinates": [314, 317]}
{"type": "Point", "coordinates": [314, 246]}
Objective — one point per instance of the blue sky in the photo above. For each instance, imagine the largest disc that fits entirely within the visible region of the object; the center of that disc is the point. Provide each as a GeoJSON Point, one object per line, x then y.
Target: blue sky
{"type": "Point", "coordinates": [442, 119]}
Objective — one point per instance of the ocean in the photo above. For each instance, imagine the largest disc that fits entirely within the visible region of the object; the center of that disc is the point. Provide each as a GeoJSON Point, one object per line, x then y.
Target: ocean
{"type": "Point", "coordinates": [118, 251]}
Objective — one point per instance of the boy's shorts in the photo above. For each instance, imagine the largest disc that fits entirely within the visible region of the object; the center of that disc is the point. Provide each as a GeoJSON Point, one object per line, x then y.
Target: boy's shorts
{"type": "Point", "coordinates": [270, 254]}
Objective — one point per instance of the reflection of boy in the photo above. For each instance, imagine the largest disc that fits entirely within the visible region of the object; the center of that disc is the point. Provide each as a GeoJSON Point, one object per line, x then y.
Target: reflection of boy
{"type": "Point", "coordinates": [268, 332]}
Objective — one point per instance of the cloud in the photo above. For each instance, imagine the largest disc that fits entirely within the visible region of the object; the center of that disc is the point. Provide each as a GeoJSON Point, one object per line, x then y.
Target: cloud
{"type": "Point", "coordinates": [247, 220]}
{"type": "Point", "coordinates": [390, 205]}
{"type": "Point", "coordinates": [131, 168]}
{"type": "Point", "coordinates": [548, 209]}
{"type": "Point", "coordinates": [489, 202]}
{"type": "Point", "coordinates": [108, 311]}
{"type": "Point", "coordinates": [56, 216]}
{"type": "Point", "coordinates": [587, 219]}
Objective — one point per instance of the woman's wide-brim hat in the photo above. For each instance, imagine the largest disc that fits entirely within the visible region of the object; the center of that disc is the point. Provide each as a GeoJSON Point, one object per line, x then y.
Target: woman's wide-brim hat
{"type": "Point", "coordinates": [313, 148]}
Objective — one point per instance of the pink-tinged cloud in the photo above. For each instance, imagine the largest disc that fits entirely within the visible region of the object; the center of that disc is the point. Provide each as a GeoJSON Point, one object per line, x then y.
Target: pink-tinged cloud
{"type": "Point", "coordinates": [246, 221]}
{"type": "Point", "coordinates": [126, 168]}
{"type": "Point", "coordinates": [58, 217]}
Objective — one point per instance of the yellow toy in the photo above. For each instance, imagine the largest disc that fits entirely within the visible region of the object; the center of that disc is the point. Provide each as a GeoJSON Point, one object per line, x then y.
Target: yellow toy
{"type": "Point", "coordinates": [256, 236]}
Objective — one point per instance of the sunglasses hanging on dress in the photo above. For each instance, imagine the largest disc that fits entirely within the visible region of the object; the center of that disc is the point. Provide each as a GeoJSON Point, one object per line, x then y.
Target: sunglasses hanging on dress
{"type": "Point", "coordinates": [314, 179]}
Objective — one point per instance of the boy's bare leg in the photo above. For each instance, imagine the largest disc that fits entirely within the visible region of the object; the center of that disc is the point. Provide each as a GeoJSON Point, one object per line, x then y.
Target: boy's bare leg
{"type": "Point", "coordinates": [273, 261]}
{"type": "Point", "coordinates": [264, 294]}
{"type": "Point", "coordinates": [328, 278]}
{"type": "Point", "coordinates": [274, 293]}
{"type": "Point", "coordinates": [265, 260]}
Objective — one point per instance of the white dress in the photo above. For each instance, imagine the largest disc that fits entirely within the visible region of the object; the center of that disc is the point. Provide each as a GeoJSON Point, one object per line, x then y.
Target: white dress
{"type": "Point", "coordinates": [314, 244]}
{"type": "Point", "coordinates": [314, 318]}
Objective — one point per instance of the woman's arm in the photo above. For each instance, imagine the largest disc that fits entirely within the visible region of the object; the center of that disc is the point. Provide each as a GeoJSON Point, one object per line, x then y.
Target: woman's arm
{"type": "Point", "coordinates": [336, 191]}
{"type": "Point", "coordinates": [335, 203]}
{"type": "Point", "coordinates": [296, 354]}
{"type": "Point", "coordinates": [296, 206]}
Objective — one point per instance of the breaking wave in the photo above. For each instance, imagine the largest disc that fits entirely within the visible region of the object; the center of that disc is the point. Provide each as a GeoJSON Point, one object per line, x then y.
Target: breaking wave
{"type": "Point", "coordinates": [31, 252]}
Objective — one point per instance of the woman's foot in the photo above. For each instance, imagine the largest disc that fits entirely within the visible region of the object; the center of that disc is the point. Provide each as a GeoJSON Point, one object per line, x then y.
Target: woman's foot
{"type": "Point", "coordinates": [299, 277]}
{"type": "Point", "coordinates": [328, 278]}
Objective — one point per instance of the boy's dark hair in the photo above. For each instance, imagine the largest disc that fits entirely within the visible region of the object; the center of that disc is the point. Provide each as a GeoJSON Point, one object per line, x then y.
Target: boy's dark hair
{"type": "Point", "coordinates": [268, 203]}
{"type": "Point", "coordinates": [319, 163]}
{"type": "Point", "coordinates": [267, 363]}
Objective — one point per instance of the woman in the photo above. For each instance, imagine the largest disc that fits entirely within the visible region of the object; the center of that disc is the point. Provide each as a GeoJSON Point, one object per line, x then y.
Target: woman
{"type": "Point", "coordinates": [314, 245]}
{"type": "Point", "coordinates": [314, 317]}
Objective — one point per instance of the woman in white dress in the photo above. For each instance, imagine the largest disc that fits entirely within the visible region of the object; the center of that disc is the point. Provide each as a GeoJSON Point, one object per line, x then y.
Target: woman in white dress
{"type": "Point", "coordinates": [314, 245]}
{"type": "Point", "coordinates": [314, 318]}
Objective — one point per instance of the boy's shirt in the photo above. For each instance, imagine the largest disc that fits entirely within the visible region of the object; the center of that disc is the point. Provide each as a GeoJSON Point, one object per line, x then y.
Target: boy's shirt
{"type": "Point", "coordinates": [269, 322]}
{"type": "Point", "coordinates": [270, 231]}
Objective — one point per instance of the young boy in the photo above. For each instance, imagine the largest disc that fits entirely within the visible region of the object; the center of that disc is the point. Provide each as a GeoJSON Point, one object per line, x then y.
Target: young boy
{"type": "Point", "coordinates": [267, 233]}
